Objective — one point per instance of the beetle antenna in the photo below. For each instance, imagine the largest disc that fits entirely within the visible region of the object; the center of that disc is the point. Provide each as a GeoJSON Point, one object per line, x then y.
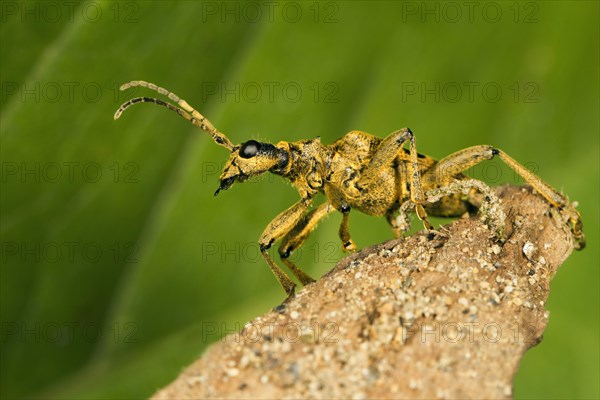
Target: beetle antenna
{"type": "Point", "coordinates": [184, 110]}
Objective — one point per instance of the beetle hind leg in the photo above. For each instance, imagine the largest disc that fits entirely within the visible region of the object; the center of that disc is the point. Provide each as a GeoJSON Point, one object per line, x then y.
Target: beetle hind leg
{"type": "Point", "coordinates": [446, 170]}
{"type": "Point", "coordinates": [456, 198]}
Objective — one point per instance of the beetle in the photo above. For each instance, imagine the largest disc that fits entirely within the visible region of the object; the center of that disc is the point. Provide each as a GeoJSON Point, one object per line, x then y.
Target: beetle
{"type": "Point", "coordinates": [359, 171]}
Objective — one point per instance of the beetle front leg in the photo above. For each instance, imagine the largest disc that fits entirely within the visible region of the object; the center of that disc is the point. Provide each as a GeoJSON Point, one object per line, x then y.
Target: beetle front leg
{"type": "Point", "coordinates": [298, 235]}
{"type": "Point", "coordinates": [278, 228]}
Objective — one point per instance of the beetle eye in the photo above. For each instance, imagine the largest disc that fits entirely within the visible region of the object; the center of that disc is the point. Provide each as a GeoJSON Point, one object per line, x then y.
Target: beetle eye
{"type": "Point", "coordinates": [249, 149]}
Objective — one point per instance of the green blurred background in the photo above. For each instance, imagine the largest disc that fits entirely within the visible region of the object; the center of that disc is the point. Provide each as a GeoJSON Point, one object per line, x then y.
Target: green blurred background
{"type": "Point", "coordinates": [119, 266]}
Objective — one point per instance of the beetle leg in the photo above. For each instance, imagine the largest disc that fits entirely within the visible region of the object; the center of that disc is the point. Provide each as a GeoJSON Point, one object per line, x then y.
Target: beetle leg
{"type": "Point", "coordinates": [298, 235]}
{"type": "Point", "coordinates": [278, 228]}
{"type": "Point", "coordinates": [490, 210]}
{"type": "Point", "coordinates": [347, 243]}
{"type": "Point", "coordinates": [392, 219]}
{"type": "Point", "coordinates": [385, 155]}
{"type": "Point", "coordinates": [446, 169]}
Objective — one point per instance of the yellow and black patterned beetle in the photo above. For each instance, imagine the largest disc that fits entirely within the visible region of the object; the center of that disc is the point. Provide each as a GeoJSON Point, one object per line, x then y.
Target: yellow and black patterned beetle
{"type": "Point", "coordinates": [357, 172]}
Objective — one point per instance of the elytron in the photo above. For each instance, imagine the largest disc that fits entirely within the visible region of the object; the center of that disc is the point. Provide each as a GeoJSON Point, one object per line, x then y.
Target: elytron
{"type": "Point", "coordinates": [360, 172]}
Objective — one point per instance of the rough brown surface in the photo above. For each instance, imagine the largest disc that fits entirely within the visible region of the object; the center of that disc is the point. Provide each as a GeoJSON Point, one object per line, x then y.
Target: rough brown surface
{"type": "Point", "coordinates": [448, 316]}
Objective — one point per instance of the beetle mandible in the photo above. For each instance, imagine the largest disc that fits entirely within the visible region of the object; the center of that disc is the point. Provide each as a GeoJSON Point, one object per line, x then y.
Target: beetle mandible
{"type": "Point", "coordinates": [359, 171]}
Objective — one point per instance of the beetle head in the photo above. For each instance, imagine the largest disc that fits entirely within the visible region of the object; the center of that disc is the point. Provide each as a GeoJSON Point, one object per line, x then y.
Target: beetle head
{"type": "Point", "coordinates": [246, 160]}
{"type": "Point", "coordinates": [250, 159]}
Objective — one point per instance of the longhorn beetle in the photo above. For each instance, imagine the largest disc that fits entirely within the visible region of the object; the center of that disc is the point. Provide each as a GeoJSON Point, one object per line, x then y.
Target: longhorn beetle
{"type": "Point", "coordinates": [358, 171]}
